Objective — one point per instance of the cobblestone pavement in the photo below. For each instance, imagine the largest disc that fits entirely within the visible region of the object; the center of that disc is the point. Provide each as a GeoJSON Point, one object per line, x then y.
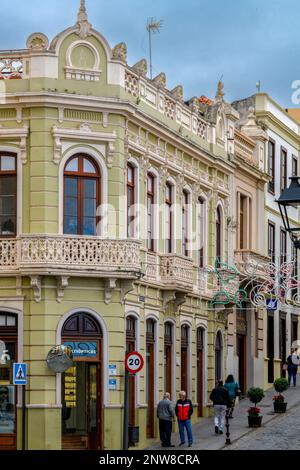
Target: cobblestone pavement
{"type": "Point", "coordinates": [283, 433]}
{"type": "Point", "coordinates": [277, 432]}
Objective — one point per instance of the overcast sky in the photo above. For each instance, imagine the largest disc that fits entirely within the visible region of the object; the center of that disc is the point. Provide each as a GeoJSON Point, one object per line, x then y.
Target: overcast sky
{"type": "Point", "coordinates": [201, 40]}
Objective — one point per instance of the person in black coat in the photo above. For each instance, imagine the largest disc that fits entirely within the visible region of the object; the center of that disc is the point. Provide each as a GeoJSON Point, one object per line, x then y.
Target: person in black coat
{"type": "Point", "coordinates": [221, 401]}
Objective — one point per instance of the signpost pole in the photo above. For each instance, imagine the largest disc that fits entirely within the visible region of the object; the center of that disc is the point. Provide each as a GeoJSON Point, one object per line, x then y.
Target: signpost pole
{"type": "Point", "coordinates": [23, 417]}
{"type": "Point", "coordinates": [126, 410]}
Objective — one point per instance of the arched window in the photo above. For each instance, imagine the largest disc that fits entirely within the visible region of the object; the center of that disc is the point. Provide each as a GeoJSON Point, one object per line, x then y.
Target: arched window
{"type": "Point", "coordinates": [200, 369]}
{"type": "Point", "coordinates": [8, 194]}
{"type": "Point", "coordinates": [150, 211]}
{"type": "Point", "coordinates": [150, 375]}
{"type": "Point", "coordinates": [168, 356]}
{"type": "Point", "coordinates": [131, 346]}
{"type": "Point", "coordinates": [131, 190]}
{"type": "Point", "coordinates": [169, 219]}
{"type": "Point", "coordinates": [81, 196]}
{"type": "Point", "coordinates": [218, 234]}
{"type": "Point", "coordinates": [8, 355]}
{"type": "Point", "coordinates": [185, 223]}
{"type": "Point", "coordinates": [201, 232]}
{"type": "Point", "coordinates": [184, 357]}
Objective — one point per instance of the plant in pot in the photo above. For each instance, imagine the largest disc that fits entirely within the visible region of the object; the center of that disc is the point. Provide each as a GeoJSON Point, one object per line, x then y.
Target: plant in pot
{"type": "Point", "coordinates": [255, 395]}
{"type": "Point", "coordinates": [279, 402]}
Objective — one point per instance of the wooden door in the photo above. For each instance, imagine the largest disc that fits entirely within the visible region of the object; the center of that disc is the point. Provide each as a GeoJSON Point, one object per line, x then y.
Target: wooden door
{"type": "Point", "coordinates": [150, 390]}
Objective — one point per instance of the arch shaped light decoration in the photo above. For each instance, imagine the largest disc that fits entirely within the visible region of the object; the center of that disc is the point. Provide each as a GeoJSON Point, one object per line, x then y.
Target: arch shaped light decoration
{"type": "Point", "coordinates": [264, 284]}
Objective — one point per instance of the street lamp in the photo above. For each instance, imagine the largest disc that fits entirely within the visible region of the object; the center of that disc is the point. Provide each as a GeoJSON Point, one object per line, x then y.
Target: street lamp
{"type": "Point", "coordinates": [290, 197]}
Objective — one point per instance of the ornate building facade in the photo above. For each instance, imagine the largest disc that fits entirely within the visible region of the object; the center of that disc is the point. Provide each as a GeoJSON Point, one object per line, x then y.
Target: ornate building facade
{"type": "Point", "coordinates": [117, 195]}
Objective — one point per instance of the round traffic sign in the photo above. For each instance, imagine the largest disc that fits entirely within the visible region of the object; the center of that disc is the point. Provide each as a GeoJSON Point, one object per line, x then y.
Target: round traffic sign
{"type": "Point", "coordinates": [134, 362]}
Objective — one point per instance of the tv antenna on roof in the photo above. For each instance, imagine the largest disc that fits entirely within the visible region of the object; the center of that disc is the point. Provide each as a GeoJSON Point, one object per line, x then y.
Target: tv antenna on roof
{"type": "Point", "coordinates": [153, 26]}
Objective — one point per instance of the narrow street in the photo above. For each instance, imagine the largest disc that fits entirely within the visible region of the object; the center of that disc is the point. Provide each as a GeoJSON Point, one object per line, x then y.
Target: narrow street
{"type": "Point", "coordinates": [278, 431]}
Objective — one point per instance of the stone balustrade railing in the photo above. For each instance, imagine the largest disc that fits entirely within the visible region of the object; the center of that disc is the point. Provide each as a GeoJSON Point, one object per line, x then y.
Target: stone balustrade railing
{"type": "Point", "coordinates": [175, 269]}
{"type": "Point", "coordinates": [162, 100]}
{"type": "Point", "coordinates": [30, 253]}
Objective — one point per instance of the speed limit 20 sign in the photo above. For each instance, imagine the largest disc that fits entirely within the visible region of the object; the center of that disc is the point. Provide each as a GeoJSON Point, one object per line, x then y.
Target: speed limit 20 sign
{"type": "Point", "coordinates": [134, 362]}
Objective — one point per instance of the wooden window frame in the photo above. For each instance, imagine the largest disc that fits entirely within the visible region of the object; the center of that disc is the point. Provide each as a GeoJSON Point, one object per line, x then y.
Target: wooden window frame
{"type": "Point", "coordinates": [5, 174]}
{"type": "Point", "coordinates": [185, 222]}
{"type": "Point", "coordinates": [81, 176]}
{"type": "Point", "coordinates": [150, 200]}
{"type": "Point", "coordinates": [201, 231]}
{"type": "Point", "coordinates": [272, 254]}
{"type": "Point", "coordinates": [131, 189]}
{"type": "Point", "coordinates": [169, 208]}
{"type": "Point", "coordinates": [294, 165]}
{"type": "Point", "coordinates": [218, 235]}
{"type": "Point", "coordinates": [271, 171]}
{"type": "Point", "coordinates": [283, 168]}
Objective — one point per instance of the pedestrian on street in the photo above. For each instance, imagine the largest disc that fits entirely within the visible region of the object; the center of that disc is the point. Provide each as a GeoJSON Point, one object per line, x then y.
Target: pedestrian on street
{"type": "Point", "coordinates": [184, 411]}
{"type": "Point", "coordinates": [292, 366]}
{"type": "Point", "coordinates": [234, 391]}
{"type": "Point", "coordinates": [166, 416]}
{"type": "Point", "coordinates": [220, 398]}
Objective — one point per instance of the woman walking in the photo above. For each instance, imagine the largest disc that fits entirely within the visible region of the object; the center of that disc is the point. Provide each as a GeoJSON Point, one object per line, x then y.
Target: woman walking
{"type": "Point", "coordinates": [233, 390]}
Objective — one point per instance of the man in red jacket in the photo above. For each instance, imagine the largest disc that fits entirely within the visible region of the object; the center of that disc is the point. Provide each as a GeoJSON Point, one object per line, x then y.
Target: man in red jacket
{"type": "Point", "coordinates": [184, 411]}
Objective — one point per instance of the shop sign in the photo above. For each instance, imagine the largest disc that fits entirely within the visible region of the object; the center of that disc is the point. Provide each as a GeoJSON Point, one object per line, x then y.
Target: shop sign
{"type": "Point", "coordinates": [82, 349]}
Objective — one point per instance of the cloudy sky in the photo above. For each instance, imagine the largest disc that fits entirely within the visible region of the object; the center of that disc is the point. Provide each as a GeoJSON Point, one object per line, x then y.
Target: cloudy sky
{"type": "Point", "coordinates": [201, 40]}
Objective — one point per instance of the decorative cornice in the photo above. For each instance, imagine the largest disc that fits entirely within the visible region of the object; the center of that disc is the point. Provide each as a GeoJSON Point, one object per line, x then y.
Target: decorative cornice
{"type": "Point", "coordinates": [15, 134]}
{"type": "Point", "coordinates": [85, 133]}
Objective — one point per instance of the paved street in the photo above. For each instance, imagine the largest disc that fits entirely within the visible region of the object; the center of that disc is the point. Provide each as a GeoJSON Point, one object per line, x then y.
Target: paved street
{"type": "Point", "coordinates": [278, 431]}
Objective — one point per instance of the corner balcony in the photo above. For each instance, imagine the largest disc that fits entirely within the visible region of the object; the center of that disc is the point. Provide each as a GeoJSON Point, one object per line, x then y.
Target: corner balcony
{"type": "Point", "coordinates": [70, 255]}
{"type": "Point", "coordinates": [251, 263]}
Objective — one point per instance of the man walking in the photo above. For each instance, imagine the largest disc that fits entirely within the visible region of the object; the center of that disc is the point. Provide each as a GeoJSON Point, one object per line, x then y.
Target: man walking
{"type": "Point", "coordinates": [220, 398]}
{"type": "Point", "coordinates": [184, 411]}
{"type": "Point", "coordinates": [165, 414]}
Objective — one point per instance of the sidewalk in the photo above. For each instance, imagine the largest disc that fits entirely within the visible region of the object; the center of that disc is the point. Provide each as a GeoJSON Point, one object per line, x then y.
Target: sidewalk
{"type": "Point", "coordinates": [204, 431]}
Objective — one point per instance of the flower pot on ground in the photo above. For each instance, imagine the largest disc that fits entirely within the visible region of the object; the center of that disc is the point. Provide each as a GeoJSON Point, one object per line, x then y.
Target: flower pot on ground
{"type": "Point", "coordinates": [255, 395]}
{"type": "Point", "coordinates": [279, 402]}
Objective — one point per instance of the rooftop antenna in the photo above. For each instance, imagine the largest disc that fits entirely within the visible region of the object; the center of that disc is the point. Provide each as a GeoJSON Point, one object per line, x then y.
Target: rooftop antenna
{"type": "Point", "coordinates": [153, 26]}
{"type": "Point", "coordinates": [258, 85]}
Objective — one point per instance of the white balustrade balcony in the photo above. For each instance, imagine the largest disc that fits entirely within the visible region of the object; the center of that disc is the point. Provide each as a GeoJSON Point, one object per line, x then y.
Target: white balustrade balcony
{"type": "Point", "coordinates": [57, 254]}
{"type": "Point", "coordinates": [176, 272]}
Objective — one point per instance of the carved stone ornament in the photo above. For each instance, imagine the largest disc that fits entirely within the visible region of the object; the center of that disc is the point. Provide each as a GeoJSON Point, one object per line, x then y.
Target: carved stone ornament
{"type": "Point", "coordinates": [194, 104]}
{"type": "Point", "coordinates": [36, 284]}
{"type": "Point", "coordinates": [120, 52]}
{"type": "Point", "coordinates": [160, 80]}
{"type": "Point", "coordinates": [85, 127]}
{"type": "Point", "coordinates": [177, 92]}
{"type": "Point", "coordinates": [141, 67]}
{"type": "Point", "coordinates": [220, 93]}
{"type": "Point", "coordinates": [110, 286]}
{"type": "Point", "coordinates": [62, 284]}
{"type": "Point", "coordinates": [83, 25]}
{"type": "Point", "coordinates": [37, 42]}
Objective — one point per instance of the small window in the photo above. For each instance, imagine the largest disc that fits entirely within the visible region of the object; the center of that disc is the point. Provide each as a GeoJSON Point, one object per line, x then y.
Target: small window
{"type": "Point", "coordinates": [8, 163]}
{"type": "Point", "coordinates": [294, 166]}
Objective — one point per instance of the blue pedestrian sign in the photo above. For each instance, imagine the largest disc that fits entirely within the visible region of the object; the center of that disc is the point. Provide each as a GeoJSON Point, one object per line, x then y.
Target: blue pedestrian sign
{"type": "Point", "coordinates": [20, 373]}
{"type": "Point", "coordinates": [272, 304]}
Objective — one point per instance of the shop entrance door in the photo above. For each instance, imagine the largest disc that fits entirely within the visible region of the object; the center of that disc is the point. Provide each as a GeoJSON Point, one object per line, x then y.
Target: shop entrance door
{"type": "Point", "coordinates": [81, 413]}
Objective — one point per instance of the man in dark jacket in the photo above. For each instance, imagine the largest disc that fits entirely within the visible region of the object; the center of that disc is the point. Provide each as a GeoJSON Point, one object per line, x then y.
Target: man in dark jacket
{"type": "Point", "coordinates": [165, 414]}
{"type": "Point", "coordinates": [220, 398]}
{"type": "Point", "coordinates": [184, 411]}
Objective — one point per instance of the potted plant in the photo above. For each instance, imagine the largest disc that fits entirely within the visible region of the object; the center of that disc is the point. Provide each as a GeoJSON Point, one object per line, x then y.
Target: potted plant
{"type": "Point", "coordinates": [279, 402]}
{"type": "Point", "coordinates": [255, 395]}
